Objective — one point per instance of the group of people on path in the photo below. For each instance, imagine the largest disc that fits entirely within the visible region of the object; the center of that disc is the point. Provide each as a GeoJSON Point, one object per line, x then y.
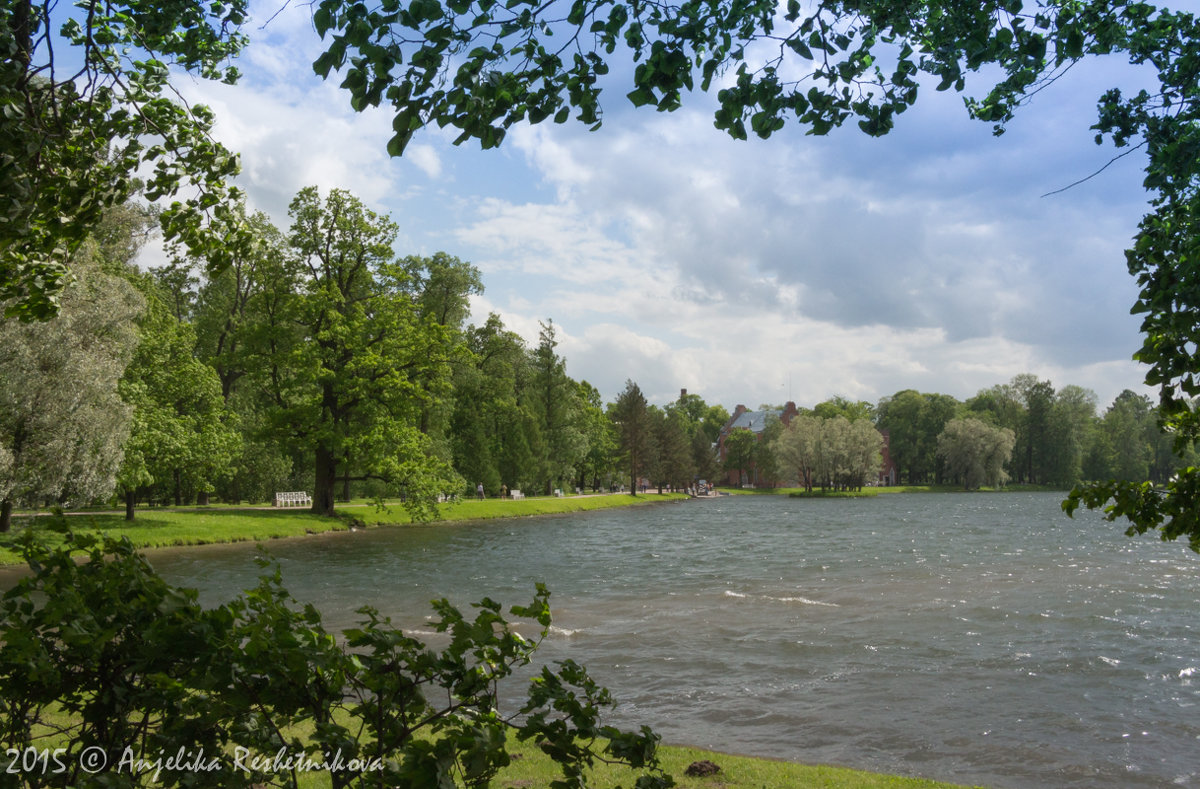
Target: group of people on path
{"type": "Point", "coordinates": [479, 494]}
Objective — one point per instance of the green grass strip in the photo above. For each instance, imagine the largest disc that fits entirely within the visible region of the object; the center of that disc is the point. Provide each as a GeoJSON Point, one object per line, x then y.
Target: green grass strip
{"type": "Point", "coordinates": [163, 527]}
{"type": "Point", "coordinates": [532, 770]}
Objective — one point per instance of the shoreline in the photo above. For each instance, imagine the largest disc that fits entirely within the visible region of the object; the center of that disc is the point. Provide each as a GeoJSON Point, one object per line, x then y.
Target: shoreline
{"type": "Point", "coordinates": [165, 528]}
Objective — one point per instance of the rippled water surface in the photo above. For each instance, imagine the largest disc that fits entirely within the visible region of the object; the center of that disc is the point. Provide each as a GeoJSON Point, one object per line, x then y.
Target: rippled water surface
{"type": "Point", "coordinates": [983, 639]}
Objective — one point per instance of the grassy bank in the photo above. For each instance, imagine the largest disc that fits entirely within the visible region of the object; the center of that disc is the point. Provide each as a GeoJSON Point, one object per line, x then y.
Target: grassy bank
{"type": "Point", "coordinates": [162, 527]}
{"type": "Point", "coordinates": [532, 769]}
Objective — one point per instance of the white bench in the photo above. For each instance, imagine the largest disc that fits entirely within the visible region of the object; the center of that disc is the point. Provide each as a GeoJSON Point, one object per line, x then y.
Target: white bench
{"type": "Point", "coordinates": [293, 499]}
{"type": "Point", "coordinates": [558, 492]}
{"type": "Point", "coordinates": [516, 494]}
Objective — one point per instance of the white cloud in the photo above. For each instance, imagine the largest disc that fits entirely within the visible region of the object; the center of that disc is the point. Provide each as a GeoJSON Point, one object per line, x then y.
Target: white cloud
{"type": "Point", "coordinates": [289, 140]}
{"type": "Point", "coordinates": [949, 258]}
{"type": "Point", "coordinates": [426, 158]}
{"type": "Point", "coordinates": [743, 271]}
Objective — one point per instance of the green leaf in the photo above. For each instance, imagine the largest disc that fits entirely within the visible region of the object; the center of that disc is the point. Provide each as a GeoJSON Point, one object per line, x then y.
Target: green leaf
{"type": "Point", "coordinates": [641, 97]}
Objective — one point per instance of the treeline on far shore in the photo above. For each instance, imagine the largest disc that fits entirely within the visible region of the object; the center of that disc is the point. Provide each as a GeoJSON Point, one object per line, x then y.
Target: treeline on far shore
{"type": "Point", "coordinates": [1032, 433]}
{"type": "Point", "coordinates": [1024, 432]}
{"type": "Point", "coordinates": [319, 360]}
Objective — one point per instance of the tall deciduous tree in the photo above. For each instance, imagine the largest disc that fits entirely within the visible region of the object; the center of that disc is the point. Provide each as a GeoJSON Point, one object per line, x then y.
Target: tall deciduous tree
{"type": "Point", "coordinates": [1129, 425]}
{"type": "Point", "coordinates": [245, 324]}
{"type": "Point", "coordinates": [62, 423]}
{"type": "Point", "coordinates": [939, 409]}
{"type": "Point", "coordinates": [914, 420]}
{"type": "Point", "coordinates": [227, 310]}
{"type": "Point", "coordinates": [183, 438]}
{"type": "Point", "coordinates": [490, 431]}
{"type": "Point", "coordinates": [1072, 431]}
{"type": "Point", "coordinates": [442, 286]}
{"type": "Point", "coordinates": [672, 464]}
{"type": "Point", "coordinates": [841, 406]}
{"type": "Point", "coordinates": [597, 466]}
{"type": "Point", "coordinates": [1036, 398]}
{"type": "Point", "coordinates": [740, 448]}
{"type": "Point", "coordinates": [351, 392]}
{"type": "Point", "coordinates": [901, 415]}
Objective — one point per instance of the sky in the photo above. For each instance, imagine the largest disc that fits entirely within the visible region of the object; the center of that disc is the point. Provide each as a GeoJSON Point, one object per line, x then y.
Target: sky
{"type": "Point", "coordinates": [747, 272]}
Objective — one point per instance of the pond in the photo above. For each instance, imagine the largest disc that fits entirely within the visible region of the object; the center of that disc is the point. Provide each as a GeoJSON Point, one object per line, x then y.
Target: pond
{"type": "Point", "coordinates": [976, 638]}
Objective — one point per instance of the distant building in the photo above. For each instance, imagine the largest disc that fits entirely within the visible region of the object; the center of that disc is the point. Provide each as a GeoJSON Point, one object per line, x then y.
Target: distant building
{"type": "Point", "coordinates": [756, 422]}
{"type": "Point", "coordinates": [887, 469]}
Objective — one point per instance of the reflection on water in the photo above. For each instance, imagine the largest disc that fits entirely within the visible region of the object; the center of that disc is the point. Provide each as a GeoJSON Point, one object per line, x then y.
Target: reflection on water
{"type": "Point", "coordinates": [979, 638]}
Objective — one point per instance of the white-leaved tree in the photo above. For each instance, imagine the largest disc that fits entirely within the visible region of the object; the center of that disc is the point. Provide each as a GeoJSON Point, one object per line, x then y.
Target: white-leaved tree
{"type": "Point", "coordinates": [62, 422]}
{"type": "Point", "coordinates": [975, 453]}
{"type": "Point", "coordinates": [834, 452]}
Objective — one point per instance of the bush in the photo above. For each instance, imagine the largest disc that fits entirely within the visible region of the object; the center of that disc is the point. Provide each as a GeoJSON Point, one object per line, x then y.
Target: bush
{"type": "Point", "coordinates": [110, 676]}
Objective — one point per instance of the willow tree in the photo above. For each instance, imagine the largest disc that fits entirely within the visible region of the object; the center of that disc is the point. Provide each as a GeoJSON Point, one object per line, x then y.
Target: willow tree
{"type": "Point", "coordinates": [62, 422]}
{"type": "Point", "coordinates": [976, 453]}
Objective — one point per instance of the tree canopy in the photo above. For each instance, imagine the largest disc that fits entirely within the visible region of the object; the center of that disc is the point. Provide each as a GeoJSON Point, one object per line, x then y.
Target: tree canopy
{"type": "Point", "coordinates": [87, 111]}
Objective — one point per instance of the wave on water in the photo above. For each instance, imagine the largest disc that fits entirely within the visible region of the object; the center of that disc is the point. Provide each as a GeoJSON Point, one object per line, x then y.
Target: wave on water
{"type": "Point", "coordinates": [801, 600]}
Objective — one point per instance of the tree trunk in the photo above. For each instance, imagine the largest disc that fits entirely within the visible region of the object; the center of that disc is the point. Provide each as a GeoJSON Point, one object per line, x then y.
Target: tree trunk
{"type": "Point", "coordinates": [22, 32]}
{"type": "Point", "coordinates": [6, 508]}
{"type": "Point", "coordinates": [178, 489]}
{"type": "Point", "coordinates": [325, 482]}
{"type": "Point", "coordinates": [130, 501]}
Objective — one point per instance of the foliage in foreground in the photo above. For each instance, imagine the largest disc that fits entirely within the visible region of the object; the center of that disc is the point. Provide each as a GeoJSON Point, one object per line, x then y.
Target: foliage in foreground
{"type": "Point", "coordinates": [104, 663]}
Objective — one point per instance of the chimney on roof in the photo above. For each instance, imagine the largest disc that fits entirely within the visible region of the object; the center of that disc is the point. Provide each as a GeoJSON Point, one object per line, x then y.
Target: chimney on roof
{"type": "Point", "coordinates": [682, 395]}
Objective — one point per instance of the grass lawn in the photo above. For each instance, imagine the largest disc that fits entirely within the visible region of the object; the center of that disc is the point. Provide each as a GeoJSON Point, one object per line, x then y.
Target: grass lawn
{"type": "Point", "coordinates": [531, 769]}
{"type": "Point", "coordinates": [162, 527]}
